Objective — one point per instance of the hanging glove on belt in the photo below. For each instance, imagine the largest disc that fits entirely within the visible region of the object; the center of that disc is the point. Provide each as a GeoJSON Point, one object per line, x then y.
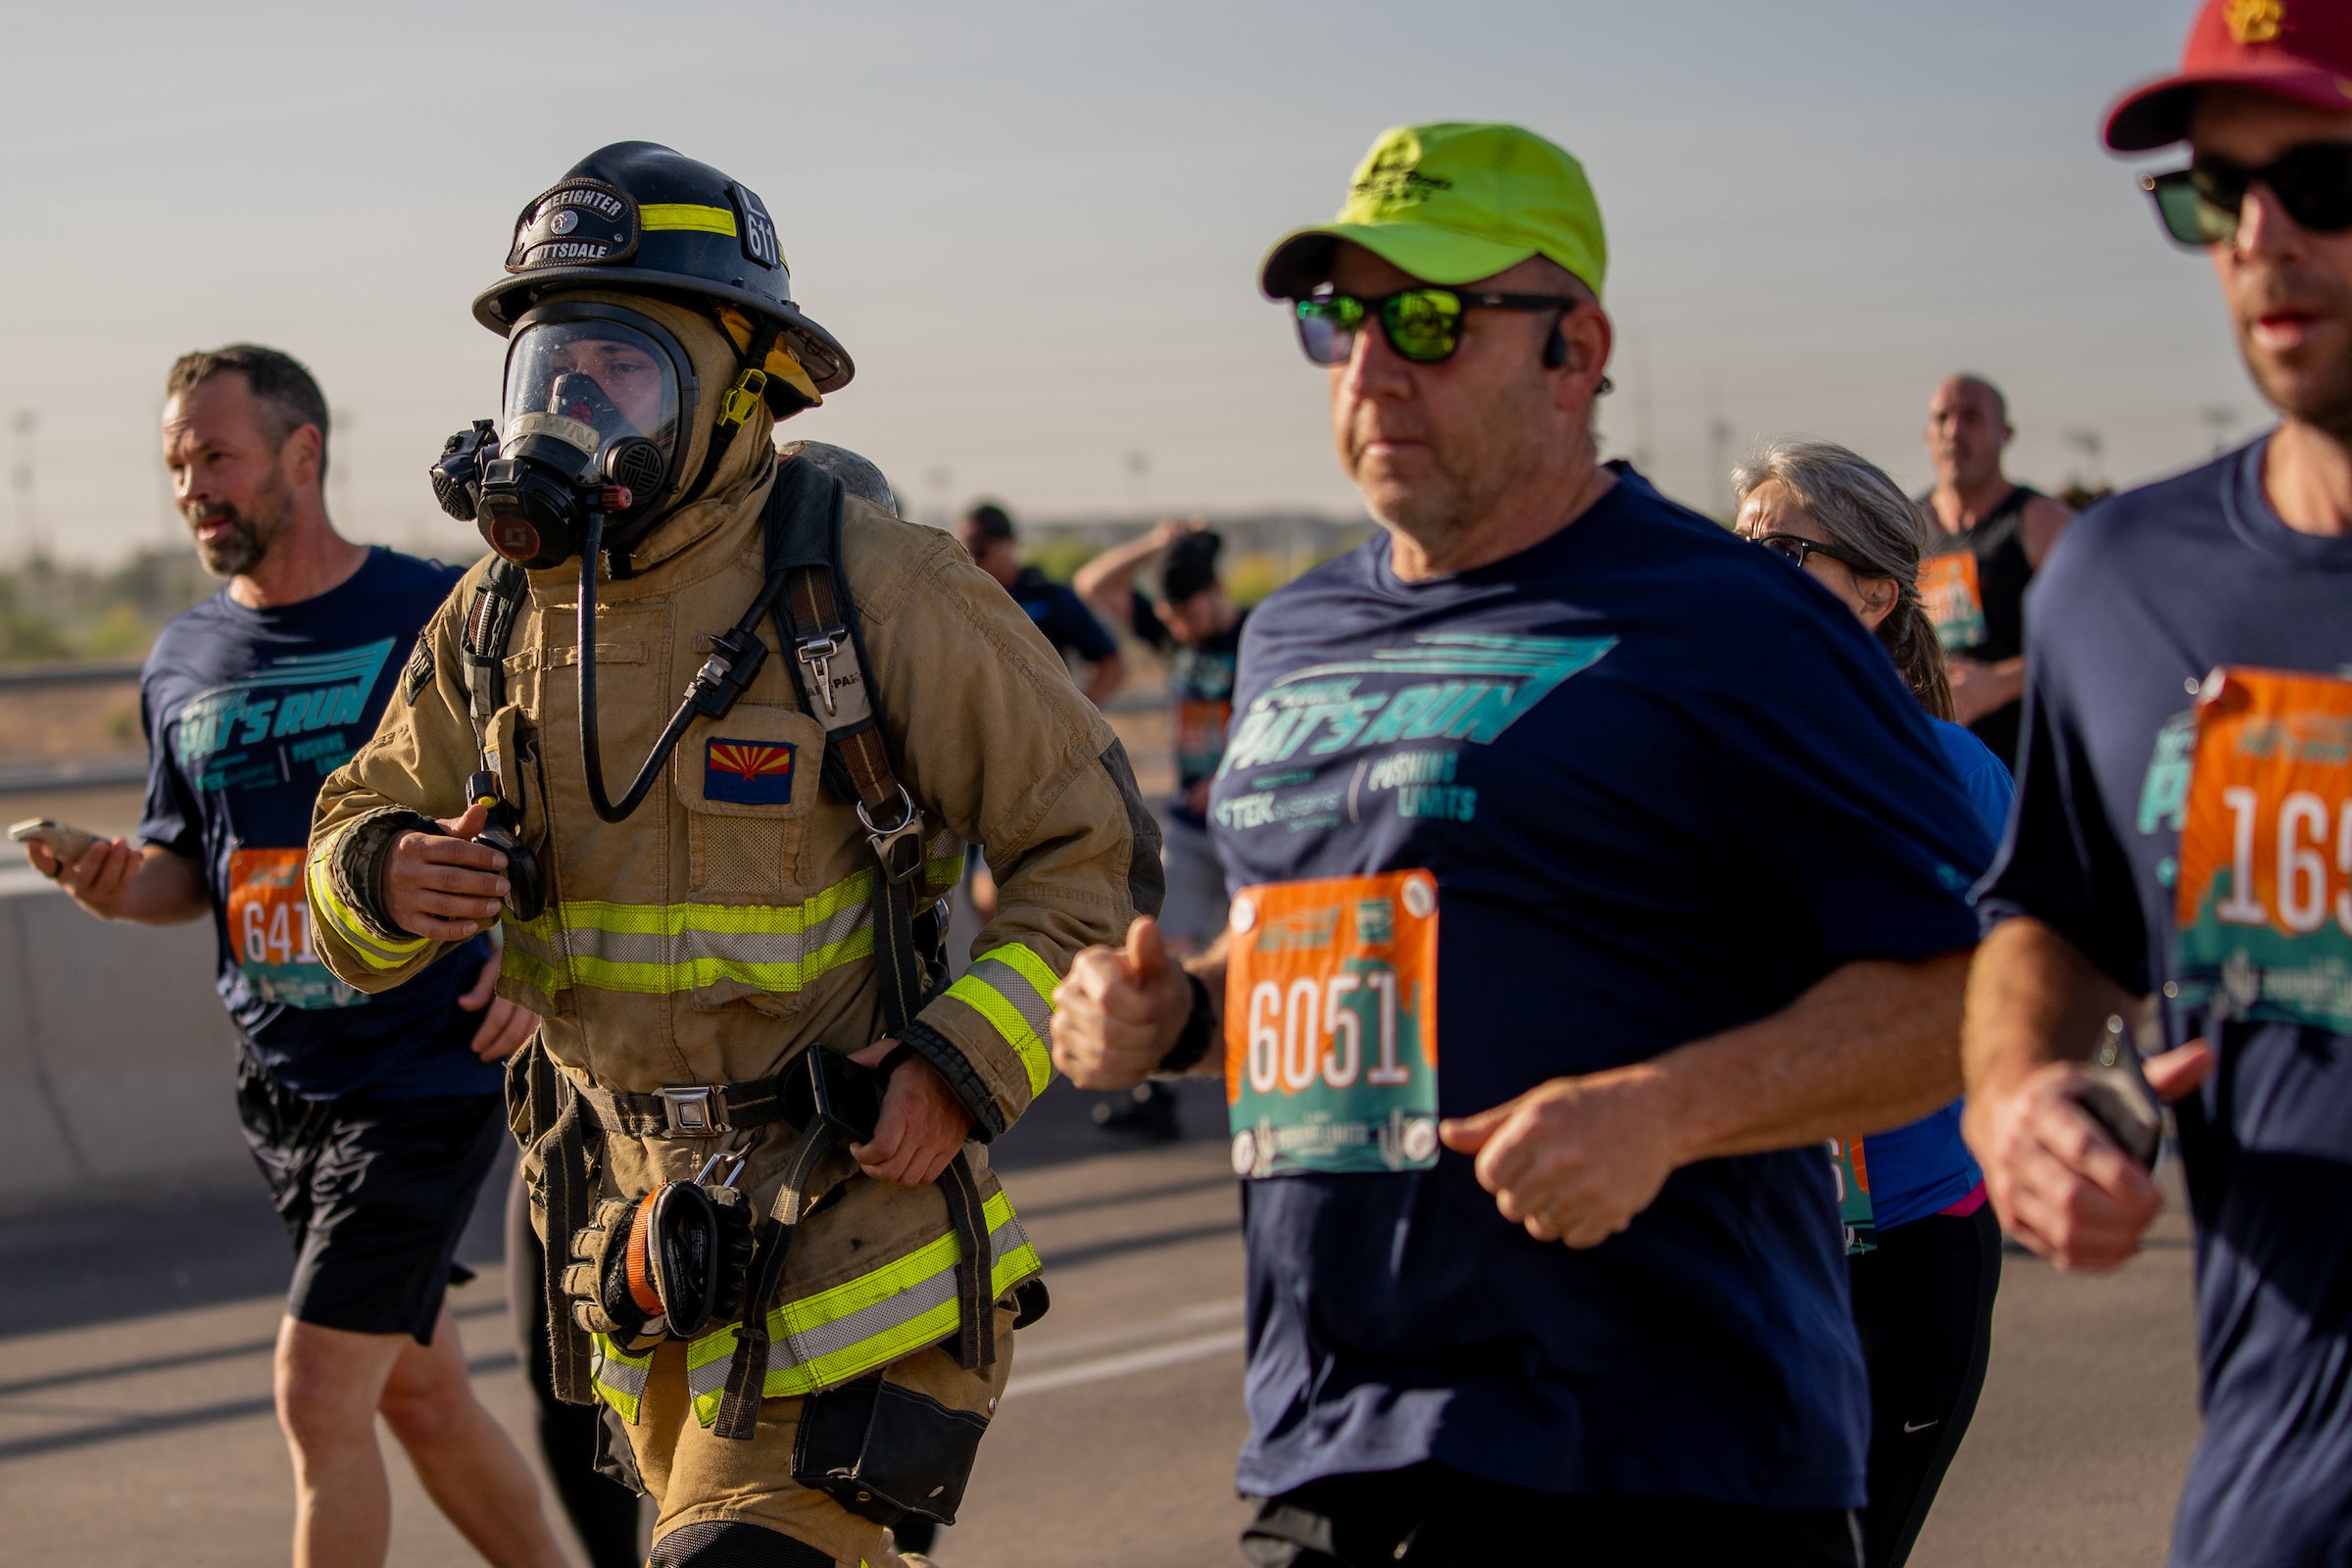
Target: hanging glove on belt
{"type": "Point", "coordinates": [672, 1262]}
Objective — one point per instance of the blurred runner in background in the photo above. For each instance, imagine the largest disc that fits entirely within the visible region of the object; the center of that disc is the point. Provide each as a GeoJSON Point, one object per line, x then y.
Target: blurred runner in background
{"type": "Point", "coordinates": [1991, 535]}
{"type": "Point", "coordinates": [1562, 938]}
{"type": "Point", "coordinates": [373, 1119]}
{"type": "Point", "coordinates": [1195, 627]}
{"type": "Point", "coordinates": [2184, 835]}
{"type": "Point", "coordinates": [1923, 1251]}
{"type": "Point", "coordinates": [988, 535]}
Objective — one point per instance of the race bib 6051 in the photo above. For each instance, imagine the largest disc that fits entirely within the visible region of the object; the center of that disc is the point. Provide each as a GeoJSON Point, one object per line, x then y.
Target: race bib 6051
{"type": "Point", "coordinates": [1331, 1025]}
{"type": "Point", "coordinates": [2265, 892]}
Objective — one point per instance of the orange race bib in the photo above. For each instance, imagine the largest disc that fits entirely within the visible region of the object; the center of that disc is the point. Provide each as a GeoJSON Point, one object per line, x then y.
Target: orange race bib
{"type": "Point", "coordinates": [1948, 588]}
{"type": "Point", "coordinates": [1852, 1172]}
{"type": "Point", "coordinates": [270, 926]}
{"type": "Point", "coordinates": [1331, 1025]}
{"type": "Point", "coordinates": [1201, 735]}
{"type": "Point", "coordinates": [2264, 888]}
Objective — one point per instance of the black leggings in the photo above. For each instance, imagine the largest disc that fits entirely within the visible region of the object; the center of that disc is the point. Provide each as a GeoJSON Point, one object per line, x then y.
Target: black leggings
{"type": "Point", "coordinates": [1923, 1303]}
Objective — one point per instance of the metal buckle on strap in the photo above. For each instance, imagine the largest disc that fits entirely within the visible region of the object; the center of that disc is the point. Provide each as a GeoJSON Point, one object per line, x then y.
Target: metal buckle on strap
{"type": "Point", "coordinates": [889, 842]}
{"type": "Point", "coordinates": [693, 1110]}
{"type": "Point", "coordinates": [818, 654]}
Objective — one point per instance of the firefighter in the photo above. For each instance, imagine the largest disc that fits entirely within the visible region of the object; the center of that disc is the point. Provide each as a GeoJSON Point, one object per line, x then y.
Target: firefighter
{"type": "Point", "coordinates": [755, 1118]}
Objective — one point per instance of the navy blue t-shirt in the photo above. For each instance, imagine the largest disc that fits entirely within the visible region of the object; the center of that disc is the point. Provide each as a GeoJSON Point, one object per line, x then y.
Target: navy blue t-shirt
{"type": "Point", "coordinates": [2141, 599]}
{"type": "Point", "coordinates": [1639, 840]}
{"type": "Point", "coordinates": [1062, 617]}
{"type": "Point", "coordinates": [247, 712]}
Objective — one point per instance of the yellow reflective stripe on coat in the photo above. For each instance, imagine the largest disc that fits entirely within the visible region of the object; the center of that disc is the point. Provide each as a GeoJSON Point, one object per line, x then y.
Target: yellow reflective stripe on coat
{"type": "Point", "coordinates": [374, 950]}
{"type": "Point", "coordinates": [619, 1377]}
{"type": "Point", "coordinates": [828, 1338]}
{"type": "Point", "coordinates": [1012, 988]}
{"type": "Point", "coordinates": [687, 214]}
{"type": "Point", "coordinates": [663, 949]}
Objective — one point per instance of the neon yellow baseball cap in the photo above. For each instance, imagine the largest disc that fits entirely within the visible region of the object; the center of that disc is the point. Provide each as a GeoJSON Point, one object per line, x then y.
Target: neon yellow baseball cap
{"type": "Point", "coordinates": [1452, 203]}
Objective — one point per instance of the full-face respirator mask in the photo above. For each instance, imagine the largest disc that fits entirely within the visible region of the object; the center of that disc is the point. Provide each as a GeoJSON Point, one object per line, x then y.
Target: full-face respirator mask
{"type": "Point", "coordinates": [585, 454]}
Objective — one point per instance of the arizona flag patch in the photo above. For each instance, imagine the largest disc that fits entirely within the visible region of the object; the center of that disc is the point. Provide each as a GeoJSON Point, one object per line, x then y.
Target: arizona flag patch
{"type": "Point", "coordinates": [748, 772]}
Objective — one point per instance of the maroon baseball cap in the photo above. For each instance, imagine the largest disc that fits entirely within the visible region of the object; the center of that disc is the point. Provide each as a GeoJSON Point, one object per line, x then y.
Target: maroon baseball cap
{"type": "Point", "coordinates": [2296, 49]}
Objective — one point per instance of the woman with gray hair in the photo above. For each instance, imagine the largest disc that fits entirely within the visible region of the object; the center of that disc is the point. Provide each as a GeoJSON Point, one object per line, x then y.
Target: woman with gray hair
{"type": "Point", "coordinates": [1924, 1250]}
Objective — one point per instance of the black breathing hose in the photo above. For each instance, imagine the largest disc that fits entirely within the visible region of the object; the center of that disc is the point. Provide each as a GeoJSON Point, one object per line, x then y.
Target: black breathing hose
{"type": "Point", "coordinates": [591, 751]}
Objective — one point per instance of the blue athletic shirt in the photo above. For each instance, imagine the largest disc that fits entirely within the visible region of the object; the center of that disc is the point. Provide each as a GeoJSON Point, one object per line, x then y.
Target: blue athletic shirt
{"type": "Point", "coordinates": [1062, 617]}
{"type": "Point", "coordinates": [1638, 841]}
{"type": "Point", "coordinates": [2143, 596]}
{"type": "Point", "coordinates": [247, 712]}
{"type": "Point", "coordinates": [1923, 1168]}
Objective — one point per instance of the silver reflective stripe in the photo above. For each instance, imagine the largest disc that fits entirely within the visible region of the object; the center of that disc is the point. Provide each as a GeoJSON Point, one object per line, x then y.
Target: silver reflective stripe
{"type": "Point", "coordinates": [881, 1317]}
{"type": "Point", "coordinates": [699, 941]}
{"type": "Point", "coordinates": [1036, 1008]}
{"type": "Point", "coordinates": [623, 1377]}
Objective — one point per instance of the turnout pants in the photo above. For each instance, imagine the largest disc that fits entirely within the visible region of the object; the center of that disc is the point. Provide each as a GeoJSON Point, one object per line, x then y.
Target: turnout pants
{"type": "Point", "coordinates": [697, 1478]}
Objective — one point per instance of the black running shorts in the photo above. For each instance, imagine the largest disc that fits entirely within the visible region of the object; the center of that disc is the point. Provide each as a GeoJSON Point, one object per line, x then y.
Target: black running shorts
{"type": "Point", "coordinates": [375, 1194]}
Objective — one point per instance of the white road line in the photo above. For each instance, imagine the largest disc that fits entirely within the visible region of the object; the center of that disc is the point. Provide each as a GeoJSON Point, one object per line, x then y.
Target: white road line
{"type": "Point", "coordinates": [1198, 1349]}
{"type": "Point", "coordinates": [1070, 1346]}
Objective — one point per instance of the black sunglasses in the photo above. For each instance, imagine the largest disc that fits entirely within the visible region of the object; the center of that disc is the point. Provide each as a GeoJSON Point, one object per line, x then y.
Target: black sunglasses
{"type": "Point", "coordinates": [2200, 205]}
{"type": "Point", "coordinates": [1796, 547]}
{"type": "Point", "coordinates": [1422, 324]}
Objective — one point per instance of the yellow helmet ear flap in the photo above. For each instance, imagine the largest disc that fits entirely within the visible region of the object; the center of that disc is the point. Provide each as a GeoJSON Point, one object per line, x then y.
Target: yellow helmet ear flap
{"type": "Point", "coordinates": [782, 365]}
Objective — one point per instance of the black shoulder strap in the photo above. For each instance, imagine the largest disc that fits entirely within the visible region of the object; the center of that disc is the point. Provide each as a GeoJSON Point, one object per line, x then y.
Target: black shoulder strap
{"type": "Point", "coordinates": [817, 622]}
{"type": "Point", "coordinates": [489, 627]}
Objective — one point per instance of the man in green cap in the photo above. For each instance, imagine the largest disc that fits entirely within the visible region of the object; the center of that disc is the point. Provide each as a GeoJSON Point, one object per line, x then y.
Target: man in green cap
{"type": "Point", "coordinates": [1504, 781]}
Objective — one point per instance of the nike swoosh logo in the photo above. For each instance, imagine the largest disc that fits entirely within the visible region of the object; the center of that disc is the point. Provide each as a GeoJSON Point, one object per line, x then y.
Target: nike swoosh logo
{"type": "Point", "coordinates": [1921, 1427]}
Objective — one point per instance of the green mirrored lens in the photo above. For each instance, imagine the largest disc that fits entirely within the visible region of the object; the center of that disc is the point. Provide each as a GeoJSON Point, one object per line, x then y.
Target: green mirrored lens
{"type": "Point", "coordinates": [2191, 217]}
{"type": "Point", "coordinates": [1333, 309]}
{"type": "Point", "coordinates": [1424, 324]}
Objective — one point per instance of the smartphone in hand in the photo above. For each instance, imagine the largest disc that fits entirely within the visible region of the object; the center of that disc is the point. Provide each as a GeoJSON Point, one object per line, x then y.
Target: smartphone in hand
{"type": "Point", "coordinates": [68, 844]}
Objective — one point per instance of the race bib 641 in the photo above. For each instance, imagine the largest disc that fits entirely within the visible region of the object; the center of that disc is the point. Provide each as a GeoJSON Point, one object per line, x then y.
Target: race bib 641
{"type": "Point", "coordinates": [270, 926]}
{"type": "Point", "coordinates": [2264, 891]}
{"type": "Point", "coordinates": [1331, 1025]}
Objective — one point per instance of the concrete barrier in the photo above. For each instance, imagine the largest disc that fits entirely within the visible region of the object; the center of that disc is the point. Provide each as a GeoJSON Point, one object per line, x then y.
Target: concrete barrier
{"type": "Point", "coordinates": [115, 1058]}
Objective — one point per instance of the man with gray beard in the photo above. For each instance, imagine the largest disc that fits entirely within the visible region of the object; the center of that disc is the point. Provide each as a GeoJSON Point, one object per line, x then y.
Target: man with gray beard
{"type": "Point", "coordinates": [374, 1119]}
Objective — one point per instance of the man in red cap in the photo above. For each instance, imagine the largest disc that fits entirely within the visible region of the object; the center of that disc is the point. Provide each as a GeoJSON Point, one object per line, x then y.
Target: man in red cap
{"type": "Point", "coordinates": [2184, 820]}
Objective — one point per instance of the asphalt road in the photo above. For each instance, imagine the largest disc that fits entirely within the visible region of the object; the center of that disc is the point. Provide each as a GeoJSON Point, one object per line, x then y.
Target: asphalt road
{"type": "Point", "coordinates": [135, 1420]}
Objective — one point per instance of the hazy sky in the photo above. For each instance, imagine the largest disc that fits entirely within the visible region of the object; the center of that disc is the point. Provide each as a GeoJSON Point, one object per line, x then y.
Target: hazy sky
{"type": "Point", "coordinates": [1035, 225]}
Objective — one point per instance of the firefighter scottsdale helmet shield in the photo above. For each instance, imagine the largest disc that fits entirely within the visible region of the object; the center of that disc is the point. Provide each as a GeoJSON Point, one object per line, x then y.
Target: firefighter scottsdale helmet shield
{"type": "Point", "coordinates": [638, 215]}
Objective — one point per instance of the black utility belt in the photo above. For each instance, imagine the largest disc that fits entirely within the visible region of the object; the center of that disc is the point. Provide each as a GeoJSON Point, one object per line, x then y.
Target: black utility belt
{"type": "Point", "coordinates": [818, 1083]}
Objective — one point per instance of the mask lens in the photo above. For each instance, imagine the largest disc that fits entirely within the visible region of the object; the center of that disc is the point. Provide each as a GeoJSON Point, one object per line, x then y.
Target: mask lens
{"type": "Point", "coordinates": [590, 383]}
{"type": "Point", "coordinates": [1327, 326]}
{"type": "Point", "coordinates": [1424, 324]}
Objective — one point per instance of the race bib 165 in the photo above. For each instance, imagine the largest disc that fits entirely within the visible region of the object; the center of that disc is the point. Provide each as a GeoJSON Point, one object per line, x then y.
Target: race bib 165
{"type": "Point", "coordinates": [2265, 892]}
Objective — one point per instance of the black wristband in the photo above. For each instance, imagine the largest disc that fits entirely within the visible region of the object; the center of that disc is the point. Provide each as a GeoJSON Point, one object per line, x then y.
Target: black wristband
{"type": "Point", "coordinates": [1199, 1029]}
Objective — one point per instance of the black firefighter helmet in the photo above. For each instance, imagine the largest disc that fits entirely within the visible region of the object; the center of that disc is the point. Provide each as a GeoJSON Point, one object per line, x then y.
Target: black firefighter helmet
{"type": "Point", "coordinates": [636, 214]}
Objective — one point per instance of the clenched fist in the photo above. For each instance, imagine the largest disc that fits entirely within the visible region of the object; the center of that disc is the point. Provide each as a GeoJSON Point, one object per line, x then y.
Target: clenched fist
{"type": "Point", "coordinates": [1118, 1011]}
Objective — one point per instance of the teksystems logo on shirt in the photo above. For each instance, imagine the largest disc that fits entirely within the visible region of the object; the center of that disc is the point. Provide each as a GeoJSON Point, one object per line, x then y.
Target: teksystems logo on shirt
{"type": "Point", "coordinates": [309, 701]}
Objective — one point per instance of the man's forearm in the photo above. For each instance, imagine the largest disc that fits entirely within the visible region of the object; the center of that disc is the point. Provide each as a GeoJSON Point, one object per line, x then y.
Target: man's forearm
{"type": "Point", "coordinates": [2033, 997]}
{"type": "Point", "coordinates": [1873, 1045]}
{"type": "Point", "coordinates": [1103, 580]}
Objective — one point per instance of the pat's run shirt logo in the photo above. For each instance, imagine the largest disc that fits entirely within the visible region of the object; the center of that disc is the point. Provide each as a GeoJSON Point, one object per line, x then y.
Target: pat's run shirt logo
{"type": "Point", "coordinates": [295, 718]}
{"type": "Point", "coordinates": [1449, 687]}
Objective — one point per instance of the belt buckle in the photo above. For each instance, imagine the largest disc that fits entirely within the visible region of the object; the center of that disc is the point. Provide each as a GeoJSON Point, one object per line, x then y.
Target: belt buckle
{"type": "Point", "coordinates": [691, 1110]}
